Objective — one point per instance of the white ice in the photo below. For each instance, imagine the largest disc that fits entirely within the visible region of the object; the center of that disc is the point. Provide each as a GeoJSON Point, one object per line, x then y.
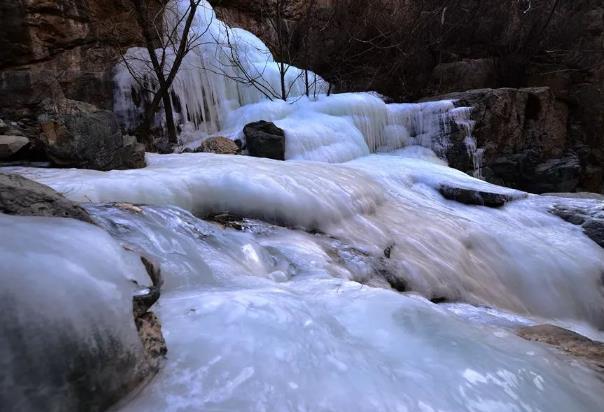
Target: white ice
{"type": "Point", "coordinates": [66, 297]}
{"type": "Point", "coordinates": [255, 321]}
{"type": "Point", "coordinates": [519, 257]}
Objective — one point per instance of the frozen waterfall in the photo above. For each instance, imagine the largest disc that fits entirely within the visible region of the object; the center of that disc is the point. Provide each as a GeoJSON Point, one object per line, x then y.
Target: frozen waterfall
{"type": "Point", "coordinates": [351, 283]}
{"type": "Point", "coordinates": [231, 79]}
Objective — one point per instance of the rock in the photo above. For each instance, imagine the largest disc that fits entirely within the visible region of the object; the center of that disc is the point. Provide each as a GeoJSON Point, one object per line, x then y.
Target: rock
{"type": "Point", "coordinates": [478, 197]}
{"type": "Point", "coordinates": [24, 197]}
{"type": "Point", "coordinates": [557, 175]}
{"type": "Point", "coordinates": [264, 139]}
{"type": "Point", "coordinates": [218, 145]}
{"type": "Point", "coordinates": [590, 217]}
{"type": "Point", "coordinates": [149, 329]}
{"type": "Point", "coordinates": [466, 74]}
{"type": "Point", "coordinates": [524, 136]}
{"type": "Point", "coordinates": [76, 134]}
{"type": "Point", "coordinates": [567, 341]}
{"type": "Point", "coordinates": [11, 145]}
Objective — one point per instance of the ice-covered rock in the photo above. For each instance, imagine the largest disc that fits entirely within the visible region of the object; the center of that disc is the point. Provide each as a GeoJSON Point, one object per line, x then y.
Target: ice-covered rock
{"type": "Point", "coordinates": [67, 335]}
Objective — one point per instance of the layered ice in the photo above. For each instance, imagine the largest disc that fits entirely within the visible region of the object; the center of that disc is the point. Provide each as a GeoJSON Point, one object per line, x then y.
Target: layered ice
{"type": "Point", "coordinates": [230, 78]}
{"type": "Point", "coordinates": [255, 320]}
{"type": "Point", "coordinates": [519, 257]}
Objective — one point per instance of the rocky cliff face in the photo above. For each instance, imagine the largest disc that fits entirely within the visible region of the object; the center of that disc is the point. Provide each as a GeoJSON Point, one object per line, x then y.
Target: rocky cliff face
{"type": "Point", "coordinates": [61, 53]}
{"type": "Point", "coordinates": [59, 49]}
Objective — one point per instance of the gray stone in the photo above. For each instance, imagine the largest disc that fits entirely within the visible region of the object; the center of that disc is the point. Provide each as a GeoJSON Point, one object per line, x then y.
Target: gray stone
{"type": "Point", "coordinates": [76, 134]}
{"type": "Point", "coordinates": [264, 139]}
{"type": "Point", "coordinates": [24, 197]}
{"type": "Point", "coordinates": [11, 145]}
{"type": "Point", "coordinates": [589, 216]}
{"type": "Point", "coordinates": [478, 197]}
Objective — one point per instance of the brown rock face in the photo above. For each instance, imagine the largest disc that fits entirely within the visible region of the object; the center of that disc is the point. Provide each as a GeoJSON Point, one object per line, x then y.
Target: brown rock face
{"type": "Point", "coordinates": [65, 48]}
{"type": "Point", "coordinates": [525, 137]}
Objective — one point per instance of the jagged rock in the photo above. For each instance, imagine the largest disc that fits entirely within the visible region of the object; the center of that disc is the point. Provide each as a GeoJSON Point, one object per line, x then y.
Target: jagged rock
{"type": "Point", "coordinates": [478, 197]}
{"type": "Point", "coordinates": [11, 145]}
{"type": "Point", "coordinates": [218, 145]}
{"type": "Point", "coordinates": [567, 341]}
{"type": "Point", "coordinates": [264, 139]}
{"type": "Point", "coordinates": [76, 134]}
{"type": "Point", "coordinates": [590, 218]}
{"type": "Point", "coordinates": [24, 197]}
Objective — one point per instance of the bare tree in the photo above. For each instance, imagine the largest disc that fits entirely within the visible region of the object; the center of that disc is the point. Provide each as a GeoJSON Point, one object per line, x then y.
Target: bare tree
{"type": "Point", "coordinates": [167, 46]}
{"type": "Point", "coordinates": [283, 37]}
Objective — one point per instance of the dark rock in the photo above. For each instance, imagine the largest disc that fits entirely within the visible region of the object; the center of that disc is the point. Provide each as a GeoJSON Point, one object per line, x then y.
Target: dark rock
{"type": "Point", "coordinates": [24, 197]}
{"type": "Point", "coordinates": [567, 341]}
{"type": "Point", "coordinates": [218, 145]}
{"type": "Point", "coordinates": [478, 197]}
{"type": "Point", "coordinates": [524, 136]}
{"type": "Point", "coordinates": [264, 139]}
{"type": "Point", "coordinates": [557, 175]}
{"type": "Point", "coordinates": [590, 217]}
{"type": "Point", "coordinates": [466, 74]}
{"type": "Point", "coordinates": [594, 229]}
{"type": "Point", "coordinates": [77, 134]}
{"type": "Point", "coordinates": [10, 145]}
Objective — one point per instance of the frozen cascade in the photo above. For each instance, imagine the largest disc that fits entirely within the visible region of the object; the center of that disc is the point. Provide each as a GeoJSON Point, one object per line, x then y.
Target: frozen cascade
{"type": "Point", "coordinates": [214, 94]}
{"type": "Point", "coordinates": [255, 320]}
{"type": "Point", "coordinates": [519, 257]}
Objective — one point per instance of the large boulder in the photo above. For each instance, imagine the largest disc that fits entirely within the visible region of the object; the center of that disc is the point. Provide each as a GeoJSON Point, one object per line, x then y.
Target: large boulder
{"type": "Point", "coordinates": [76, 134]}
{"type": "Point", "coordinates": [264, 139]}
{"type": "Point", "coordinates": [11, 145]}
{"type": "Point", "coordinates": [590, 216]}
{"type": "Point", "coordinates": [24, 197]}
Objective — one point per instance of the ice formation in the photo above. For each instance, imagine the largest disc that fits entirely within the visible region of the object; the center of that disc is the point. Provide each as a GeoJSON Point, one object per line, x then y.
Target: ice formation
{"type": "Point", "coordinates": [256, 321]}
{"type": "Point", "coordinates": [286, 315]}
{"type": "Point", "coordinates": [231, 79]}
{"type": "Point", "coordinates": [520, 257]}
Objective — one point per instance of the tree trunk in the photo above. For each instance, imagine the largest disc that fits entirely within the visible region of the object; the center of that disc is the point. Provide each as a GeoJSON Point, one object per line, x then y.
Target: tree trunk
{"type": "Point", "coordinates": [170, 126]}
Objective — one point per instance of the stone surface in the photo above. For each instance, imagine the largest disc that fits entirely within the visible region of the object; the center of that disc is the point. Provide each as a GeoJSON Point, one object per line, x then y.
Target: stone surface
{"type": "Point", "coordinates": [589, 217]}
{"type": "Point", "coordinates": [567, 341]}
{"type": "Point", "coordinates": [264, 139]}
{"type": "Point", "coordinates": [524, 136]}
{"type": "Point", "coordinates": [24, 197]}
{"type": "Point", "coordinates": [478, 197]}
{"type": "Point", "coordinates": [466, 74]}
{"type": "Point", "coordinates": [76, 134]}
{"type": "Point", "coordinates": [218, 145]}
{"type": "Point", "coordinates": [11, 145]}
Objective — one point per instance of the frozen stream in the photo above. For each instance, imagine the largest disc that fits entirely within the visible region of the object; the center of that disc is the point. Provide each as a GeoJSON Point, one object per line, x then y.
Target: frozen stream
{"type": "Point", "coordinates": [276, 318]}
